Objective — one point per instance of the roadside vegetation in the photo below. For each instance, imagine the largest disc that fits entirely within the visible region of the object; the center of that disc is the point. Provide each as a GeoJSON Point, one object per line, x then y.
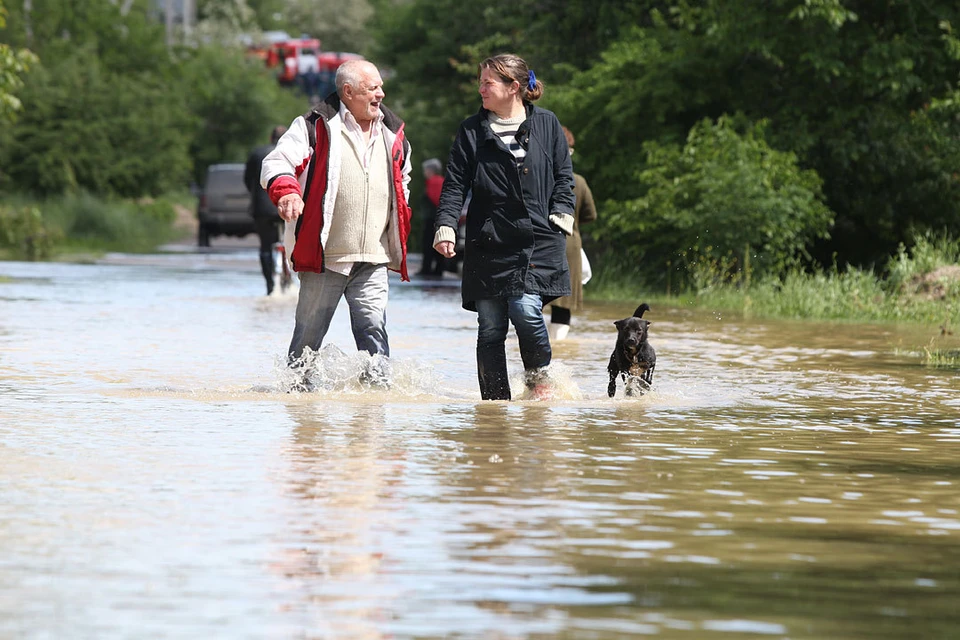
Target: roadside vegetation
{"type": "Point", "coordinates": [919, 284]}
{"type": "Point", "coordinates": [81, 226]}
{"type": "Point", "coordinates": [791, 158]}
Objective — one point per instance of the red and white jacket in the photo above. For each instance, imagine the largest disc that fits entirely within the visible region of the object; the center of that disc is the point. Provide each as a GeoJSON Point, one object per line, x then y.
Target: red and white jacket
{"type": "Point", "coordinates": [307, 161]}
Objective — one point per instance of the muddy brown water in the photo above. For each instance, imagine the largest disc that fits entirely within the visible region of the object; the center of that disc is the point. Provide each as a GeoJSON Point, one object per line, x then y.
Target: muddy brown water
{"type": "Point", "coordinates": [782, 480]}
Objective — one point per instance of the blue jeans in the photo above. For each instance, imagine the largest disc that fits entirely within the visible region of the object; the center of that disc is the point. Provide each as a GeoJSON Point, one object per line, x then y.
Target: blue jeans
{"type": "Point", "coordinates": [366, 292]}
{"type": "Point", "coordinates": [526, 314]}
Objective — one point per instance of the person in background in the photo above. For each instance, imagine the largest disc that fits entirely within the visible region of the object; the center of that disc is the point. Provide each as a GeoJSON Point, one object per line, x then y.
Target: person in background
{"type": "Point", "coordinates": [308, 72]}
{"type": "Point", "coordinates": [432, 184]}
{"type": "Point", "coordinates": [290, 67]}
{"type": "Point", "coordinates": [520, 212]}
{"type": "Point", "coordinates": [266, 220]}
{"type": "Point", "coordinates": [340, 177]}
{"type": "Point", "coordinates": [562, 309]}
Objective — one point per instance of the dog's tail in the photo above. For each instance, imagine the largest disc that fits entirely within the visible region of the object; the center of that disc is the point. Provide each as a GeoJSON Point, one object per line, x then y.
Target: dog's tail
{"type": "Point", "coordinates": [639, 312]}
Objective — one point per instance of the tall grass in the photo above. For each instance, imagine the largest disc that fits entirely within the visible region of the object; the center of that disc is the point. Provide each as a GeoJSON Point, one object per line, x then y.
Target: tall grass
{"type": "Point", "coordinates": [908, 290]}
{"type": "Point", "coordinates": [82, 223]}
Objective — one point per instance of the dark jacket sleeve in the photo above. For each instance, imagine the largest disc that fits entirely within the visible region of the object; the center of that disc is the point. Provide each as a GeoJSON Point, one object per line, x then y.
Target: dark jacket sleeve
{"type": "Point", "coordinates": [562, 200]}
{"type": "Point", "coordinates": [251, 173]}
{"type": "Point", "coordinates": [457, 180]}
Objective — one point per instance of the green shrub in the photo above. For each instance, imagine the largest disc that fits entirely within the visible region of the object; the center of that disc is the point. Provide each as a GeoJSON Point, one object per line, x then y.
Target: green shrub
{"type": "Point", "coordinates": [929, 252]}
{"type": "Point", "coordinates": [25, 234]}
{"type": "Point", "coordinates": [721, 206]}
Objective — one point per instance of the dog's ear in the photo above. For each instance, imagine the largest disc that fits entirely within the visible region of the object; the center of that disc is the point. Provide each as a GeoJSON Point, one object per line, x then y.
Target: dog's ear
{"type": "Point", "coordinates": [619, 324]}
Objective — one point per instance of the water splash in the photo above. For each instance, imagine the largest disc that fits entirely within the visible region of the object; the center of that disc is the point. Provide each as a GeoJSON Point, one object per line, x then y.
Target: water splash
{"type": "Point", "coordinates": [557, 379]}
{"type": "Point", "coordinates": [331, 370]}
{"type": "Point", "coordinates": [289, 292]}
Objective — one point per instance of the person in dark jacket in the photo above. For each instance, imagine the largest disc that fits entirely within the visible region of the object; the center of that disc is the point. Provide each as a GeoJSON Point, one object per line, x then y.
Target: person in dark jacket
{"type": "Point", "coordinates": [265, 217]}
{"type": "Point", "coordinates": [513, 157]}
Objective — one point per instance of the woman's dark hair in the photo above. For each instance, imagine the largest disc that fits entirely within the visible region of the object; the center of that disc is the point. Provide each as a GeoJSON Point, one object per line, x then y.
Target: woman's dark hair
{"type": "Point", "coordinates": [513, 68]}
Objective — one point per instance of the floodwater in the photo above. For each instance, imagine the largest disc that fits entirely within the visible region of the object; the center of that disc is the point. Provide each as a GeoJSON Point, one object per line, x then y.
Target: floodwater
{"type": "Point", "coordinates": [782, 480]}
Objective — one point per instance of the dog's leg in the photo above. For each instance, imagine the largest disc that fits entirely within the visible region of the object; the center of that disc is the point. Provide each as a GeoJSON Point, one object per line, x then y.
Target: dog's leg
{"type": "Point", "coordinates": [648, 375]}
{"type": "Point", "coordinates": [613, 371]}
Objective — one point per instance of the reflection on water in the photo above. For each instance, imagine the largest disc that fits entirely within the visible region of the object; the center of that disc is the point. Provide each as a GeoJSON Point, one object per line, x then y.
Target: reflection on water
{"type": "Point", "coordinates": [783, 479]}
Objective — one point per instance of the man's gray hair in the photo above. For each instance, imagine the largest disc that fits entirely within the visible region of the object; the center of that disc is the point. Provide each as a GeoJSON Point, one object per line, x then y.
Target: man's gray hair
{"type": "Point", "coordinates": [348, 73]}
{"type": "Point", "coordinates": [433, 164]}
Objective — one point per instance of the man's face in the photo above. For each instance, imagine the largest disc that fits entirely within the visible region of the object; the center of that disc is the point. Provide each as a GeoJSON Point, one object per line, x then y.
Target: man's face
{"type": "Point", "coordinates": [363, 100]}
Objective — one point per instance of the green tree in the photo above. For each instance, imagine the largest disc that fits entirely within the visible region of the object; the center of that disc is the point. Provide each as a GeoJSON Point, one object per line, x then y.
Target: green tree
{"type": "Point", "coordinates": [130, 42]}
{"type": "Point", "coordinates": [13, 64]}
{"type": "Point", "coordinates": [840, 83]}
{"type": "Point", "coordinates": [114, 111]}
{"type": "Point", "coordinates": [339, 24]}
{"type": "Point", "coordinates": [225, 22]}
{"type": "Point", "coordinates": [86, 128]}
{"type": "Point", "coordinates": [433, 47]}
{"type": "Point", "coordinates": [235, 102]}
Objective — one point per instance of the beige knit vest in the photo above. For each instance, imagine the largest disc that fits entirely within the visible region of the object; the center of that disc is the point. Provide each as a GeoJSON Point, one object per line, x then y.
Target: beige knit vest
{"type": "Point", "coordinates": [361, 213]}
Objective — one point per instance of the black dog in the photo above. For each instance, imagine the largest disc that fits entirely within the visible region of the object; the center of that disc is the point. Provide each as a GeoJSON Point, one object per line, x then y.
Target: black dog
{"type": "Point", "coordinates": [633, 359]}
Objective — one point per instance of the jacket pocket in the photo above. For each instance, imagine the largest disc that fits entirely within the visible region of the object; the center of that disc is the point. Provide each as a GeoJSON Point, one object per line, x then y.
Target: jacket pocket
{"type": "Point", "coordinates": [498, 238]}
{"type": "Point", "coordinates": [487, 238]}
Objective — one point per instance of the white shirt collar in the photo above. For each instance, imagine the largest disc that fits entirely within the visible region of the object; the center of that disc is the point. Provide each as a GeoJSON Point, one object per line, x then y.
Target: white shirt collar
{"type": "Point", "coordinates": [351, 123]}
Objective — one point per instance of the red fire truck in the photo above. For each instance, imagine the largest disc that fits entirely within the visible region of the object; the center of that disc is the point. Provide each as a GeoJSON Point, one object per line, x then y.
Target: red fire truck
{"type": "Point", "coordinates": [300, 62]}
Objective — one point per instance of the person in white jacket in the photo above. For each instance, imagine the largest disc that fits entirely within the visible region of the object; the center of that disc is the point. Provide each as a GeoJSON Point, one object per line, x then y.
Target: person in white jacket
{"type": "Point", "coordinates": [339, 177]}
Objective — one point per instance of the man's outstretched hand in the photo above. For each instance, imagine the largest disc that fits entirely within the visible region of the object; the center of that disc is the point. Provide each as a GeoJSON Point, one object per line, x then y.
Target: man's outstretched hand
{"type": "Point", "coordinates": [290, 207]}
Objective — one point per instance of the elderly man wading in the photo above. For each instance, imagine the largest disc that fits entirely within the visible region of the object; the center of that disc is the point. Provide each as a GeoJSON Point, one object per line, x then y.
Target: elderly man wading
{"type": "Point", "coordinates": [339, 177]}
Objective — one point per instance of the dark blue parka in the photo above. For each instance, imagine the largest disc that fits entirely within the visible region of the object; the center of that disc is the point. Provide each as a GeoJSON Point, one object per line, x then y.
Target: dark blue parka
{"type": "Point", "coordinates": [511, 246]}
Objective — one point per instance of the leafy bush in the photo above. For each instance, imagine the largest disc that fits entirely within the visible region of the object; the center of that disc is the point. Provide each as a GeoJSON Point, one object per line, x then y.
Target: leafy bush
{"type": "Point", "coordinates": [725, 199]}
{"type": "Point", "coordinates": [25, 233]}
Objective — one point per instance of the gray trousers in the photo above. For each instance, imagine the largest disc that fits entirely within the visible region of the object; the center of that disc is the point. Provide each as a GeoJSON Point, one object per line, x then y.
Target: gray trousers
{"type": "Point", "coordinates": [365, 290]}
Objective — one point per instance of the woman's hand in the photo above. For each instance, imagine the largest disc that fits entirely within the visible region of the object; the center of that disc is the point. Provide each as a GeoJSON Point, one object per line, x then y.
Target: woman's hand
{"type": "Point", "coordinates": [446, 249]}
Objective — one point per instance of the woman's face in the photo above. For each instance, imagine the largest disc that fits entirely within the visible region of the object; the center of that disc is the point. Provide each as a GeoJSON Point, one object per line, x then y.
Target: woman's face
{"type": "Point", "coordinates": [498, 96]}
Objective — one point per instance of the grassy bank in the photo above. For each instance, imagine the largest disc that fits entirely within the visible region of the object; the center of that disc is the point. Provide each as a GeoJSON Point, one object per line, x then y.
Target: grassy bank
{"type": "Point", "coordinates": [77, 225]}
{"type": "Point", "coordinates": [921, 284]}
